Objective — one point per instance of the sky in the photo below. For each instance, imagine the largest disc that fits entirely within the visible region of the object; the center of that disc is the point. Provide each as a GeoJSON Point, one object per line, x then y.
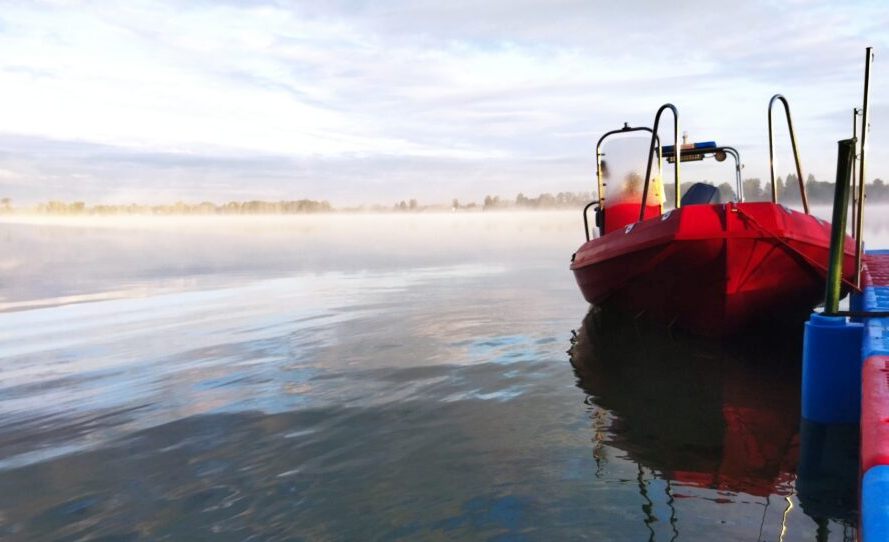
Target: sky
{"type": "Point", "coordinates": [373, 102]}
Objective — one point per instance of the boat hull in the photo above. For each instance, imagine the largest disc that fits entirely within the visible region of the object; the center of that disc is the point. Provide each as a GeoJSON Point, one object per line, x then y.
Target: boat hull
{"type": "Point", "coordinates": [712, 269]}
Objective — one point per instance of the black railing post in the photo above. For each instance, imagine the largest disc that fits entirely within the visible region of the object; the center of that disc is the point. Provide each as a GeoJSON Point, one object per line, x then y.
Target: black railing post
{"type": "Point", "coordinates": [862, 168]}
{"type": "Point", "coordinates": [845, 154]}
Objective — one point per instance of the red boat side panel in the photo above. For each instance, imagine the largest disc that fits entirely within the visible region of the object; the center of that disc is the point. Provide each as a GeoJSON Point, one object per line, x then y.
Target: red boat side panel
{"type": "Point", "coordinates": [619, 215]}
{"type": "Point", "coordinates": [875, 412]}
{"type": "Point", "coordinates": [711, 268]}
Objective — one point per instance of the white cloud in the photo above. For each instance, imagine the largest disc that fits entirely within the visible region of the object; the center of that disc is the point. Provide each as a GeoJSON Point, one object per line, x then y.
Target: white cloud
{"type": "Point", "coordinates": [381, 91]}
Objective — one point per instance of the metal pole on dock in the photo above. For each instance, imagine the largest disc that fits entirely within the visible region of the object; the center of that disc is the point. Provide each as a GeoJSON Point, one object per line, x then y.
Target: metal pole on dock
{"type": "Point", "coordinates": [845, 158]}
{"type": "Point", "coordinates": [865, 127]}
{"type": "Point", "coordinates": [831, 386]}
{"type": "Point", "coordinates": [855, 114]}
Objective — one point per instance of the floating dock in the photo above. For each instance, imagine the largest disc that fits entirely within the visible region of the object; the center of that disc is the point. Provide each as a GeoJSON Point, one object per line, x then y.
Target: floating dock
{"type": "Point", "coordinates": [874, 299]}
{"type": "Point", "coordinates": [846, 384]}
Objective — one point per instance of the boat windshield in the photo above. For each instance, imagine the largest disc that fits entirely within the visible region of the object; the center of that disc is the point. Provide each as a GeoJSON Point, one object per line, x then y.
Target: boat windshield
{"type": "Point", "coordinates": [622, 169]}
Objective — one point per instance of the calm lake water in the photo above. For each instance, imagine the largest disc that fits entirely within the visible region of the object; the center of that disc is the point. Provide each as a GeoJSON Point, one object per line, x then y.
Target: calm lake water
{"type": "Point", "coordinates": [389, 377]}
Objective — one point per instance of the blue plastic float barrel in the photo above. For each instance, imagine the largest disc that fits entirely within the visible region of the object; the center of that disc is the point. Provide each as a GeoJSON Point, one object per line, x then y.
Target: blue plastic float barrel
{"type": "Point", "coordinates": [875, 505]}
{"type": "Point", "coordinates": [831, 370]}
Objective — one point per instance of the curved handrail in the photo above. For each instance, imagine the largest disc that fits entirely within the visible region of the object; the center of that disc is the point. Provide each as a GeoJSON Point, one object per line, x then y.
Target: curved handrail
{"type": "Point", "coordinates": [657, 120]}
{"type": "Point", "coordinates": [738, 183]}
{"type": "Point", "coordinates": [739, 186]}
{"type": "Point", "coordinates": [799, 169]}
{"type": "Point", "coordinates": [586, 223]}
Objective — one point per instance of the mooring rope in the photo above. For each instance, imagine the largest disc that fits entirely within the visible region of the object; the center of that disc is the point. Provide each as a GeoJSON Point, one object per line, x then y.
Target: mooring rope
{"type": "Point", "coordinates": [755, 223]}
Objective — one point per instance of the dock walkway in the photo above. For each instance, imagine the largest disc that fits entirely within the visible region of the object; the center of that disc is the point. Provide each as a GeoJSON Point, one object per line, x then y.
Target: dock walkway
{"type": "Point", "coordinates": [874, 523]}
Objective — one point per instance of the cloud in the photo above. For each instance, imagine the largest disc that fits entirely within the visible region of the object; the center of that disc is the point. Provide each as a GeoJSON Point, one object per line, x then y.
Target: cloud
{"type": "Point", "coordinates": [184, 98]}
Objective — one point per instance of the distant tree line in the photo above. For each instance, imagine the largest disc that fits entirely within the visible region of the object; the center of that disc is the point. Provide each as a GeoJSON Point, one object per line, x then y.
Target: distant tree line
{"type": "Point", "coordinates": [411, 205]}
{"type": "Point", "coordinates": [819, 191]}
{"type": "Point", "coordinates": [754, 190]}
{"type": "Point", "coordinates": [543, 201]}
{"type": "Point", "coordinates": [546, 200]}
{"type": "Point", "coordinates": [788, 190]}
{"type": "Point", "coordinates": [178, 208]}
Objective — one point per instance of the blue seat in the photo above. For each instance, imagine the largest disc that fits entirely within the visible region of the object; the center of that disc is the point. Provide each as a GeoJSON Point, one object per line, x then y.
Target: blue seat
{"type": "Point", "coordinates": [701, 193]}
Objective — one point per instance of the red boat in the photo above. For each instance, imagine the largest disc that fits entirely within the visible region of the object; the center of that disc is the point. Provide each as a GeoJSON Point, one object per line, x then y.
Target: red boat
{"type": "Point", "coordinates": [713, 267]}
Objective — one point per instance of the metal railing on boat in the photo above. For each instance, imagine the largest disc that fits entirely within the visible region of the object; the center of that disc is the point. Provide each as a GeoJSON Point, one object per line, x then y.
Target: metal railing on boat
{"type": "Point", "coordinates": [799, 169]}
{"type": "Point", "coordinates": [647, 180]}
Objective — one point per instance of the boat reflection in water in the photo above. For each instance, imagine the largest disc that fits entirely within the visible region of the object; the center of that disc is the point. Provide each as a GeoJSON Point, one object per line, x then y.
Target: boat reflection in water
{"type": "Point", "coordinates": [704, 414]}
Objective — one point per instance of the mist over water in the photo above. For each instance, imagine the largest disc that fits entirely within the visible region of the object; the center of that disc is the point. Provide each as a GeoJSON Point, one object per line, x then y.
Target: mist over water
{"type": "Point", "coordinates": [343, 377]}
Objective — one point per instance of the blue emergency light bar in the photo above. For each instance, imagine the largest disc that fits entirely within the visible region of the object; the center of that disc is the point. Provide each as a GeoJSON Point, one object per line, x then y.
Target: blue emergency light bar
{"type": "Point", "coordinates": [702, 146]}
